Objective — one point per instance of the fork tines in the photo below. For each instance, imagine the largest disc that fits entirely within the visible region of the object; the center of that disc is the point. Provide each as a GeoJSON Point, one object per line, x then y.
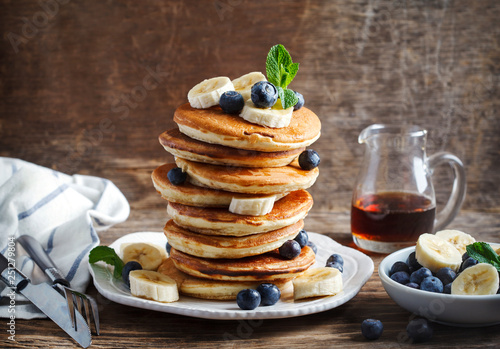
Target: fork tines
{"type": "Point", "coordinates": [89, 311]}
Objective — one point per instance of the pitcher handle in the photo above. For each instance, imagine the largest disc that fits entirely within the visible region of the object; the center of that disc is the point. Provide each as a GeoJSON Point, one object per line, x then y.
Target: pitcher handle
{"type": "Point", "coordinates": [457, 196]}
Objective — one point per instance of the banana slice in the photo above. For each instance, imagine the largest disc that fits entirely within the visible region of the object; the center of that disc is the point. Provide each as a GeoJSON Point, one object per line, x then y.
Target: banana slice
{"type": "Point", "coordinates": [148, 255]}
{"type": "Point", "coordinates": [153, 285]}
{"type": "Point", "coordinates": [316, 282]}
{"type": "Point", "coordinates": [435, 253]}
{"type": "Point", "coordinates": [244, 83]}
{"type": "Point", "coordinates": [496, 248]}
{"type": "Point", "coordinates": [275, 117]}
{"type": "Point", "coordinates": [252, 206]}
{"type": "Point", "coordinates": [457, 238]}
{"type": "Point", "coordinates": [480, 279]}
{"type": "Point", "coordinates": [207, 93]}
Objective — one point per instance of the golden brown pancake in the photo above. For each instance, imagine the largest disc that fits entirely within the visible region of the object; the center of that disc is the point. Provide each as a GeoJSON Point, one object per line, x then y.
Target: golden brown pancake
{"type": "Point", "coordinates": [219, 221]}
{"type": "Point", "coordinates": [261, 180]}
{"type": "Point", "coordinates": [266, 266]}
{"type": "Point", "coordinates": [212, 125]}
{"type": "Point", "coordinates": [211, 246]}
{"type": "Point", "coordinates": [180, 145]}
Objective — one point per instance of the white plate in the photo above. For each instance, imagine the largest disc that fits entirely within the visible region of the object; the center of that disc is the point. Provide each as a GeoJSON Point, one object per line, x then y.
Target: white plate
{"type": "Point", "coordinates": [454, 310]}
{"type": "Point", "coordinates": [357, 270]}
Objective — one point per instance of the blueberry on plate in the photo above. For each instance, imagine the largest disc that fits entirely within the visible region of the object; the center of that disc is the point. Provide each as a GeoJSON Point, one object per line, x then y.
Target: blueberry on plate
{"type": "Point", "coordinates": [420, 274]}
{"type": "Point", "coordinates": [401, 277]}
{"type": "Point", "coordinates": [231, 102]}
{"type": "Point", "coordinates": [264, 94]}
{"type": "Point", "coordinates": [335, 258]}
{"type": "Point", "coordinates": [419, 330]}
{"type": "Point", "coordinates": [176, 176]}
{"type": "Point", "coordinates": [269, 294]}
{"type": "Point", "coordinates": [127, 268]}
{"type": "Point", "coordinates": [335, 265]}
{"type": "Point", "coordinates": [413, 285]}
{"type": "Point", "coordinates": [290, 249]}
{"type": "Point", "coordinates": [399, 266]}
{"type": "Point", "coordinates": [248, 299]}
{"type": "Point", "coordinates": [446, 275]}
{"type": "Point", "coordinates": [412, 262]}
{"type": "Point", "coordinates": [309, 159]}
{"type": "Point", "coordinates": [469, 262]}
{"type": "Point", "coordinates": [313, 246]}
{"type": "Point", "coordinates": [302, 238]}
{"type": "Point", "coordinates": [431, 284]}
{"type": "Point", "coordinates": [300, 103]}
{"type": "Point", "coordinates": [372, 329]}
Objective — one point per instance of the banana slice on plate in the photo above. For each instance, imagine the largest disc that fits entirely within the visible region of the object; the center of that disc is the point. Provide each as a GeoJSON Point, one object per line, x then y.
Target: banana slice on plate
{"type": "Point", "coordinates": [275, 117]}
{"type": "Point", "coordinates": [457, 238]}
{"type": "Point", "coordinates": [244, 83]}
{"type": "Point", "coordinates": [480, 279]}
{"type": "Point", "coordinates": [207, 93]}
{"type": "Point", "coordinates": [252, 206]}
{"type": "Point", "coordinates": [153, 285]}
{"type": "Point", "coordinates": [434, 253]}
{"type": "Point", "coordinates": [149, 256]}
{"type": "Point", "coordinates": [316, 282]}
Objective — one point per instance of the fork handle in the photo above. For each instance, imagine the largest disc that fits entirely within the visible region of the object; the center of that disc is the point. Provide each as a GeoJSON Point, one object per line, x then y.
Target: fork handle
{"type": "Point", "coordinates": [42, 259]}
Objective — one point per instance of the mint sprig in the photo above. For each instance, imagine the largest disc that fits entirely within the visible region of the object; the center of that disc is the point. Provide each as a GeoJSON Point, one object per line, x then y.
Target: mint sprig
{"type": "Point", "coordinates": [109, 256]}
{"type": "Point", "coordinates": [280, 71]}
{"type": "Point", "coordinates": [483, 253]}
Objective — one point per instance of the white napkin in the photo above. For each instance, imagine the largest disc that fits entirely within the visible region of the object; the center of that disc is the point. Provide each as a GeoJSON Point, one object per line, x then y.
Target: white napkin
{"type": "Point", "coordinates": [64, 213]}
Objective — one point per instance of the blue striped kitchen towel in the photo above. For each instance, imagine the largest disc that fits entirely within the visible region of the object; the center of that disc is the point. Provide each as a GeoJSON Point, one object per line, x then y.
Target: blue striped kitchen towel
{"type": "Point", "coordinates": [63, 212]}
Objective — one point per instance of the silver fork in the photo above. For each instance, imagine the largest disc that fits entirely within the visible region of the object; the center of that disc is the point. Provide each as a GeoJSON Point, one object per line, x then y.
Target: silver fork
{"type": "Point", "coordinates": [85, 304]}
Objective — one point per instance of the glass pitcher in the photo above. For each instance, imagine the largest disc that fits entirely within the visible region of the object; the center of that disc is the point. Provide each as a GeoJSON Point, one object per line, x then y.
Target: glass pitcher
{"type": "Point", "coordinates": [393, 200]}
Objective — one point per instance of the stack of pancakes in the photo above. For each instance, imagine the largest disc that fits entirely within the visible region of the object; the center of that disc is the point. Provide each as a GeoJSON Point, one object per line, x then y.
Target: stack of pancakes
{"type": "Point", "coordinates": [226, 157]}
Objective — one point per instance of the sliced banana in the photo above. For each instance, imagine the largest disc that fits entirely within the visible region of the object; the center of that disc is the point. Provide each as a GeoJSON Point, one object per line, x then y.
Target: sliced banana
{"type": "Point", "coordinates": [496, 248]}
{"type": "Point", "coordinates": [207, 93]}
{"type": "Point", "coordinates": [435, 253]}
{"type": "Point", "coordinates": [480, 279]}
{"type": "Point", "coordinates": [252, 206]}
{"type": "Point", "coordinates": [275, 117]}
{"type": "Point", "coordinates": [244, 83]}
{"type": "Point", "coordinates": [457, 238]}
{"type": "Point", "coordinates": [316, 282]}
{"type": "Point", "coordinates": [149, 256]}
{"type": "Point", "coordinates": [153, 285]}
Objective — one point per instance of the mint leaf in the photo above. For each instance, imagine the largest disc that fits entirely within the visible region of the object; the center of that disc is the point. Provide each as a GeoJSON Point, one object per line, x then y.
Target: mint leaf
{"type": "Point", "coordinates": [273, 66]}
{"type": "Point", "coordinates": [292, 70]}
{"type": "Point", "coordinates": [290, 99]}
{"type": "Point", "coordinates": [109, 256]}
{"type": "Point", "coordinates": [483, 253]}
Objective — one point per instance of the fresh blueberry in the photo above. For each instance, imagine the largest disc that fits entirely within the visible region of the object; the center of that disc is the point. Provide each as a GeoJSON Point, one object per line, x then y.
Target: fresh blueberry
{"type": "Point", "coordinates": [401, 277]}
{"type": "Point", "coordinates": [446, 275]}
{"type": "Point", "coordinates": [399, 266]}
{"type": "Point", "coordinates": [231, 102]}
{"type": "Point", "coordinates": [447, 288]}
{"type": "Point", "coordinates": [302, 238]}
{"type": "Point", "coordinates": [269, 294]}
{"type": "Point", "coordinates": [469, 262]}
{"type": "Point", "coordinates": [300, 103]}
{"type": "Point", "coordinates": [413, 285]}
{"type": "Point", "coordinates": [176, 176]}
{"type": "Point", "coordinates": [413, 263]}
{"type": "Point", "coordinates": [313, 246]}
{"type": "Point", "coordinates": [465, 256]}
{"type": "Point", "coordinates": [419, 330]}
{"type": "Point", "coordinates": [290, 249]}
{"type": "Point", "coordinates": [372, 329]}
{"type": "Point", "coordinates": [309, 159]}
{"type": "Point", "coordinates": [127, 268]}
{"type": "Point", "coordinates": [335, 258]}
{"type": "Point", "coordinates": [168, 247]}
{"type": "Point", "coordinates": [420, 274]}
{"type": "Point", "coordinates": [248, 299]}
{"type": "Point", "coordinates": [431, 284]}
{"type": "Point", "coordinates": [335, 265]}
{"type": "Point", "coordinates": [264, 94]}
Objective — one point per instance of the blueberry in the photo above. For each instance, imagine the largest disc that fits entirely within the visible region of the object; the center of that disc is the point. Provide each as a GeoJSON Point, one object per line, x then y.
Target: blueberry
{"type": "Point", "coordinates": [335, 265]}
{"type": "Point", "coordinates": [446, 275]}
{"type": "Point", "coordinates": [168, 247]}
{"type": "Point", "coordinates": [269, 294]}
{"type": "Point", "coordinates": [413, 285]}
{"type": "Point", "coordinates": [300, 103]}
{"type": "Point", "coordinates": [469, 262]}
{"type": "Point", "coordinates": [420, 274]}
{"type": "Point", "coordinates": [127, 268]}
{"type": "Point", "coordinates": [231, 102]}
{"type": "Point", "coordinates": [419, 330]}
{"type": "Point", "coordinates": [264, 94]}
{"type": "Point", "coordinates": [413, 263]}
{"type": "Point", "coordinates": [399, 266]}
{"type": "Point", "coordinates": [372, 329]}
{"type": "Point", "coordinates": [465, 256]}
{"type": "Point", "coordinates": [290, 249]}
{"type": "Point", "coordinates": [309, 159]}
{"type": "Point", "coordinates": [447, 288]}
{"type": "Point", "coordinates": [335, 258]}
{"type": "Point", "coordinates": [313, 246]}
{"type": "Point", "coordinates": [401, 277]}
{"type": "Point", "coordinates": [431, 284]}
{"type": "Point", "coordinates": [302, 238]}
{"type": "Point", "coordinates": [176, 176]}
{"type": "Point", "coordinates": [248, 299]}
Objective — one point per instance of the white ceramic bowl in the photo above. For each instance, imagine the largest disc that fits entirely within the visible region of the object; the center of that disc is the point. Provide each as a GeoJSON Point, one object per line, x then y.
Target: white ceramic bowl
{"type": "Point", "coordinates": [455, 310]}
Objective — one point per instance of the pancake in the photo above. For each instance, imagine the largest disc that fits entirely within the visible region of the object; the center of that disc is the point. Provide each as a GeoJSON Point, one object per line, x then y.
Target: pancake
{"type": "Point", "coordinates": [261, 180]}
{"type": "Point", "coordinates": [268, 266]}
{"type": "Point", "coordinates": [193, 195]}
{"type": "Point", "coordinates": [211, 246]}
{"type": "Point", "coordinates": [180, 145]}
{"type": "Point", "coordinates": [211, 289]}
{"type": "Point", "coordinates": [212, 125]}
{"type": "Point", "coordinates": [219, 221]}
